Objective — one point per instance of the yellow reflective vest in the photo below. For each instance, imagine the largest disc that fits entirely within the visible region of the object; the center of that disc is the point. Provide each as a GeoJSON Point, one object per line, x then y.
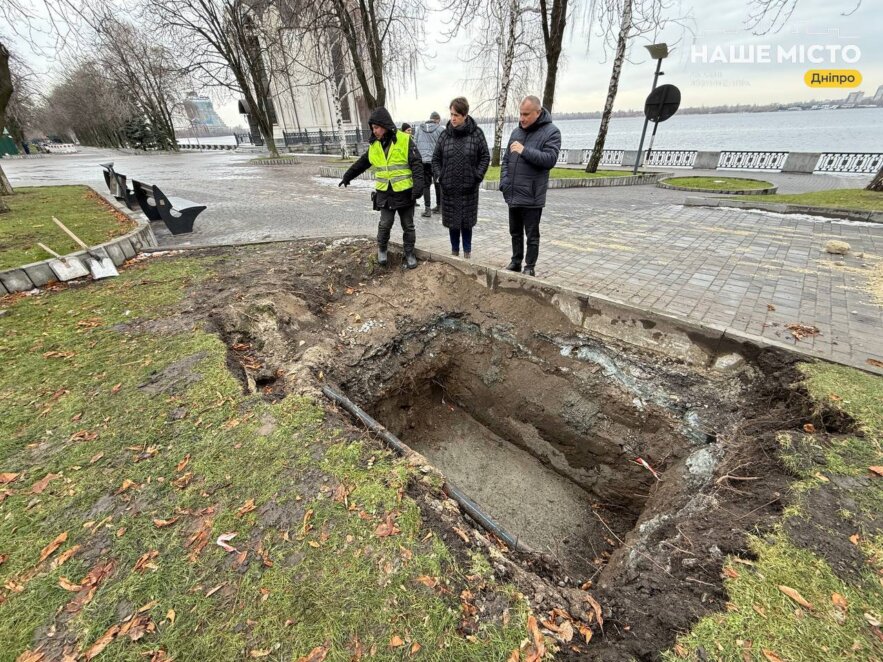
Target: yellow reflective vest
{"type": "Point", "coordinates": [391, 168]}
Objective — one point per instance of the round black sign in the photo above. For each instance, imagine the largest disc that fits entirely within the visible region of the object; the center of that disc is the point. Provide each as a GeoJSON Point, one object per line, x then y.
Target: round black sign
{"type": "Point", "coordinates": [662, 103]}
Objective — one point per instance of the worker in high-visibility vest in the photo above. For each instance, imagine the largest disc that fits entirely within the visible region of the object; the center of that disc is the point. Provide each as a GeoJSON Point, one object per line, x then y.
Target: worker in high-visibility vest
{"type": "Point", "coordinates": [398, 182]}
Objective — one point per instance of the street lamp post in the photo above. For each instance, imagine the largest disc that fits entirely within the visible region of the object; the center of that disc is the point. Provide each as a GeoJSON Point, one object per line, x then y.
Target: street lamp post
{"type": "Point", "coordinates": [658, 52]}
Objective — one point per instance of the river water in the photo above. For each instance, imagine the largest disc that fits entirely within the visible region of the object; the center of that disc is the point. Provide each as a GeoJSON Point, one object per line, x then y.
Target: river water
{"type": "Point", "coordinates": [840, 130]}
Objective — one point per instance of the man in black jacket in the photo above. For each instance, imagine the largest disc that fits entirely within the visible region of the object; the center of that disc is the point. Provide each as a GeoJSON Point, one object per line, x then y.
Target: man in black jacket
{"type": "Point", "coordinates": [524, 178]}
{"type": "Point", "coordinates": [398, 181]}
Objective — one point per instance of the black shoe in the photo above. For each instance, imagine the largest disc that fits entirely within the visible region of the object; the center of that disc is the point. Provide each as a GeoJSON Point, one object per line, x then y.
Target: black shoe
{"type": "Point", "coordinates": [381, 257]}
{"type": "Point", "coordinates": [426, 213]}
{"type": "Point", "coordinates": [436, 210]}
{"type": "Point", "coordinates": [514, 266]}
{"type": "Point", "coordinates": [410, 261]}
{"type": "Point", "coordinates": [455, 253]}
{"type": "Point", "coordinates": [528, 271]}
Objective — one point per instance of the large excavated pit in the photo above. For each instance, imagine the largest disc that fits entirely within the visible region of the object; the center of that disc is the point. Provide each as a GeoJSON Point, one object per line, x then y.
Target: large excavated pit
{"type": "Point", "coordinates": [629, 471]}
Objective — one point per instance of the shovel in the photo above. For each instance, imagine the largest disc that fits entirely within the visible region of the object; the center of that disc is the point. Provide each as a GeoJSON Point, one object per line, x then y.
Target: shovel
{"type": "Point", "coordinates": [99, 262]}
{"type": "Point", "coordinates": [65, 269]}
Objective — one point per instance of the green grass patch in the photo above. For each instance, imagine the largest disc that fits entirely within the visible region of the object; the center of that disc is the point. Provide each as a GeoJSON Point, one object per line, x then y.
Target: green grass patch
{"type": "Point", "coordinates": [29, 220]}
{"type": "Point", "coordinates": [761, 617]}
{"type": "Point", "coordinates": [844, 198]}
{"type": "Point", "coordinates": [493, 174]}
{"type": "Point", "coordinates": [719, 183]}
{"type": "Point", "coordinates": [134, 428]}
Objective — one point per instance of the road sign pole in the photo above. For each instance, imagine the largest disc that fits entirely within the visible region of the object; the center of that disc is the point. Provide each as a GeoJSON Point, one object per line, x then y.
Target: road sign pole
{"type": "Point", "coordinates": [646, 119]}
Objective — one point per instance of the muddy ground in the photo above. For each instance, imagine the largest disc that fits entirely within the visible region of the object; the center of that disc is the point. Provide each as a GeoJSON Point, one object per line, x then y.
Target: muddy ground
{"type": "Point", "coordinates": [624, 475]}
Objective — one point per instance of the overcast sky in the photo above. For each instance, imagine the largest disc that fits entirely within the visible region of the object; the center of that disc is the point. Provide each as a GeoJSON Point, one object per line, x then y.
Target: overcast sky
{"type": "Point", "coordinates": [584, 75]}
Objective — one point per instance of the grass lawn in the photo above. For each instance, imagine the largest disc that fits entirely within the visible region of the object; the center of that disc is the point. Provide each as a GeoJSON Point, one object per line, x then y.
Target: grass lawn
{"type": "Point", "coordinates": [125, 454]}
{"type": "Point", "coordinates": [30, 220]}
{"type": "Point", "coordinates": [493, 173]}
{"type": "Point", "coordinates": [719, 183]}
{"type": "Point", "coordinates": [842, 198]}
{"type": "Point", "coordinates": [842, 621]}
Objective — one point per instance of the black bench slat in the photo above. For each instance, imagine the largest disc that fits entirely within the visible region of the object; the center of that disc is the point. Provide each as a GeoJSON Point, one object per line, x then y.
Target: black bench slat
{"type": "Point", "coordinates": [177, 213]}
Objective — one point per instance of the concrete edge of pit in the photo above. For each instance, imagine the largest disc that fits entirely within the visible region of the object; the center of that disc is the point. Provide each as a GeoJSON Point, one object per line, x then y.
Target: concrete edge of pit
{"type": "Point", "coordinates": [709, 345]}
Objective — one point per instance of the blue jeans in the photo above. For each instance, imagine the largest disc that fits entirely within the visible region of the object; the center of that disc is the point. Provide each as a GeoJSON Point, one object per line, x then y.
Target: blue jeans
{"type": "Point", "coordinates": [455, 239]}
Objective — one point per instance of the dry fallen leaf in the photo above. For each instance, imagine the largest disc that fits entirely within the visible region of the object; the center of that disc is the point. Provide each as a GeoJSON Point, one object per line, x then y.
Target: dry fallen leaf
{"type": "Point", "coordinates": [877, 470]}
{"type": "Point", "coordinates": [102, 643]}
{"type": "Point", "coordinates": [43, 483]}
{"type": "Point", "coordinates": [116, 388]}
{"type": "Point", "coordinates": [125, 486]}
{"type": "Point", "coordinates": [596, 608]}
{"type": "Point", "coordinates": [246, 508]}
{"type": "Point", "coordinates": [809, 428]}
{"type": "Point", "coordinates": [318, 654]}
{"type": "Point", "coordinates": [760, 610]}
{"type": "Point", "coordinates": [586, 632]}
{"type": "Point", "coordinates": [854, 538]}
{"type": "Point", "coordinates": [565, 632]}
{"type": "Point", "coordinates": [396, 641]}
{"type": "Point", "coordinates": [183, 463]}
{"type": "Point", "coordinates": [31, 656]}
{"type": "Point", "coordinates": [771, 656]}
{"type": "Point", "coordinates": [839, 601]}
{"type": "Point", "coordinates": [162, 523]}
{"type": "Point", "coordinates": [874, 362]}
{"type": "Point", "coordinates": [387, 528]}
{"type": "Point", "coordinates": [68, 585]}
{"type": "Point", "coordinates": [794, 595]}
{"type": "Point", "coordinates": [170, 616]}
{"type": "Point", "coordinates": [731, 573]}
{"type": "Point", "coordinates": [7, 477]}
{"type": "Point", "coordinates": [429, 582]}
{"type": "Point", "coordinates": [537, 650]}
{"type": "Point", "coordinates": [49, 549]}
{"type": "Point", "coordinates": [259, 652]}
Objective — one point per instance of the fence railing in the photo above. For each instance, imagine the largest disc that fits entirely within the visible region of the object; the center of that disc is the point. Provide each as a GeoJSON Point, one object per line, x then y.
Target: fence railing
{"type": "Point", "coordinates": [323, 137]}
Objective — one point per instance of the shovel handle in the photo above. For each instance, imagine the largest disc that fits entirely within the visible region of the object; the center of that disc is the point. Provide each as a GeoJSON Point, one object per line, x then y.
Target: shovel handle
{"type": "Point", "coordinates": [69, 233]}
{"type": "Point", "coordinates": [48, 250]}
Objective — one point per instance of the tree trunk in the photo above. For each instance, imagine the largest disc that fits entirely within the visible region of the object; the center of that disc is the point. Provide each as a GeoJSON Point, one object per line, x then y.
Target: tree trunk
{"type": "Point", "coordinates": [876, 183]}
{"type": "Point", "coordinates": [505, 82]}
{"type": "Point", "coordinates": [624, 28]}
{"type": "Point", "coordinates": [5, 96]}
{"type": "Point", "coordinates": [553, 35]}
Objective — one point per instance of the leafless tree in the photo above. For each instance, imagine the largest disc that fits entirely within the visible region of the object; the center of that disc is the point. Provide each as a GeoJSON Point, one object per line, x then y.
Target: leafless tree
{"type": "Point", "coordinates": [22, 104]}
{"type": "Point", "coordinates": [765, 16]}
{"type": "Point", "coordinates": [6, 89]}
{"type": "Point", "coordinates": [383, 38]}
{"type": "Point", "coordinates": [877, 183]}
{"type": "Point", "coordinates": [88, 104]}
{"type": "Point", "coordinates": [504, 58]}
{"type": "Point", "coordinates": [553, 20]}
{"type": "Point", "coordinates": [137, 61]}
{"type": "Point", "coordinates": [620, 22]}
{"type": "Point", "coordinates": [226, 43]}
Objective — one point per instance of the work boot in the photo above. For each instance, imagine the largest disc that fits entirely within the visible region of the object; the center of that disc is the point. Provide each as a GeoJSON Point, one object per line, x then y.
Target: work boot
{"type": "Point", "coordinates": [410, 261]}
{"type": "Point", "coordinates": [513, 266]}
{"type": "Point", "coordinates": [426, 213]}
{"type": "Point", "coordinates": [528, 271]}
{"type": "Point", "coordinates": [467, 254]}
{"type": "Point", "coordinates": [381, 256]}
{"type": "Point", "coordinates": [436, 210]}
{"type": "Point", "coordinates": [455, 253]}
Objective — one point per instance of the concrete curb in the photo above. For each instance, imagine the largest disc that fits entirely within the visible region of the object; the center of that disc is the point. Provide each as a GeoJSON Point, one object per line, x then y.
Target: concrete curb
{"type": "Point", "coordinates": [626, 180]}
{"type": "Point", "coordinates": [708, 345]}
{"type": "Point", "coordinates": [757, 191]}
{"type": "Point", "coordinates": [118, 249]}
{"type": "Point", "coordinates": [784, 208]}
{"type": "Point", "coordinates": [288, 160]}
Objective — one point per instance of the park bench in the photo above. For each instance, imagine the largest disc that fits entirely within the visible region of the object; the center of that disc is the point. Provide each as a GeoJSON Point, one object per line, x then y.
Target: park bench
{"type": "Point", "coordinates": [116, 184]}
{"type": "Point", "coordinates": [109, 177]}
{"type": "Point", "coordinates": [177, 213]}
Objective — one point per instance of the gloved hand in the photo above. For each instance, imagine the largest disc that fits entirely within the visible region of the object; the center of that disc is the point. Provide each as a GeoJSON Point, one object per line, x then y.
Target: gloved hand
{"type": "Point", "coordinates": [343, 183]}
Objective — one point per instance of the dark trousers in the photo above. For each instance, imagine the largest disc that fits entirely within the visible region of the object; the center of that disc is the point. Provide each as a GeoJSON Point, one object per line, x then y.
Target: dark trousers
{"type": "Point", "coordinates": [427, 177]}
{"type": "Point", "coordinates": [388, 219]}
{"type": "Point", "coordinates": [455, 234]}
{"type": "Point", "coordinates": [525, 221]}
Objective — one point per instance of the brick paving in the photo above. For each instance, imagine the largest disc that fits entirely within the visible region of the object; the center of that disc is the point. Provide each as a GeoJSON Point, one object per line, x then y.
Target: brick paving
{"type": "Point", "coordinates": [751, 272]}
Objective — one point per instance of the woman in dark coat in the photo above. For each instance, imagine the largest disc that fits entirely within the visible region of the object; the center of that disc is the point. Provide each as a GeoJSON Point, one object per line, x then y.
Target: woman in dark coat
{"type": "Point", "coordinates": [461, 159]}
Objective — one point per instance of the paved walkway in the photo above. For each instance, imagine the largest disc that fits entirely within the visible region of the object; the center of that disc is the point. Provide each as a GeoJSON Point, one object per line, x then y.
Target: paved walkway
{"type": "Point", "coordinates": [752, 272]}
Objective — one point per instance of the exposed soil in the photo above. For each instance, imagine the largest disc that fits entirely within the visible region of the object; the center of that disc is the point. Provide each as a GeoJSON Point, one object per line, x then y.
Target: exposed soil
{"type": "Point", "coordinates": [554, 433]}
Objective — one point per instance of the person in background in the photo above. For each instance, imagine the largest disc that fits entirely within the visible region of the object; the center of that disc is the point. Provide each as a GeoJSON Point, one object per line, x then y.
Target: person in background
{"type": "Point", "coordinates": [406, 128]}
{"type": "Point", "coordinates": [460, 161]}
{"type": "Point", "coordinates": [426, 136]}
{"type": "Point", "coordinates": [524, 178]}
{"type": "Point", "coordinates": [398, 181]}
